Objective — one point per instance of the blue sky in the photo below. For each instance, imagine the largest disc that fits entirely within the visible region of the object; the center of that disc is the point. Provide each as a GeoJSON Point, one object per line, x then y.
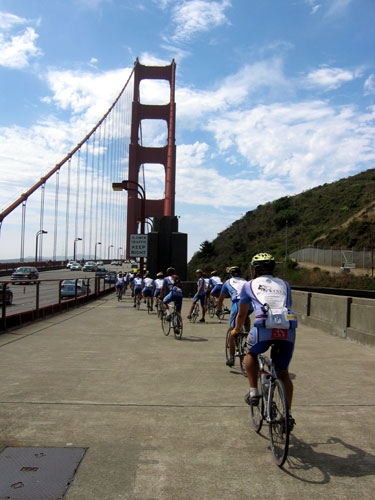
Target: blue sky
{"type": "Point", "coordinates": [273, 97]}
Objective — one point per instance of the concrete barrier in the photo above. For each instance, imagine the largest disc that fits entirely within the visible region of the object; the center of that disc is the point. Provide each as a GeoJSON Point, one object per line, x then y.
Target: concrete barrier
{"type": "Point", "coordinates": [347, 317]}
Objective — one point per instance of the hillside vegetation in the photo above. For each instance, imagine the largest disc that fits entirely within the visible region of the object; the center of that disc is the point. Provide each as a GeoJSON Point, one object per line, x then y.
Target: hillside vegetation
{"type": "Point", "coordinates": [336, 215]}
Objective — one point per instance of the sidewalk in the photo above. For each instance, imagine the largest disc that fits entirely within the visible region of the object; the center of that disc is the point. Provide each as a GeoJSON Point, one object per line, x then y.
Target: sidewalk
{"type": "Point", "coordinates": [161, 419]}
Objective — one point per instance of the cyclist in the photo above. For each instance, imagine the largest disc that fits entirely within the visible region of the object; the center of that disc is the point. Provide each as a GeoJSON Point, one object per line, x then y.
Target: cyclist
{"type": "Point", "coordinates": [148, 289]}
{"type": "Point", "coordinates": [215, 285]}
{"type": "Point", "coordinates": [119, 285]}
{"type": "Point", "coordinates": [168, 282]}
{"type": "Point", "coordinates": [199, 296]}
{"type": "Point", "coordinates": [233, 287]}
{"type": "Point", "coordinates": [274, 324]}
{"type": "Point", "coordinates": [175, 295]}
{"type": "Point", "coordinates": [158, 285]}
{"type": "Point", "coordinates": [138, 285]}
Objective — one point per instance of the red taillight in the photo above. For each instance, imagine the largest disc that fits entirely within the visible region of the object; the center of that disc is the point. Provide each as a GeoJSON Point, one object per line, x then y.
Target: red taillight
{"type": "Point", "coordinates": [79, 287]}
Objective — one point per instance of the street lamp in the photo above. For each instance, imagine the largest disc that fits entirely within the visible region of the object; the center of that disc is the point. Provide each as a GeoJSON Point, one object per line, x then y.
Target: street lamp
{"type": "Point", "coordinates": [75, 247]}
{"type": "Point", "coordinates": [41, 231]}
{"type": "Point", "coordinates": [110, 246]}
{"type": "Point", "coordinates": [126, 185]}
{"type": "Point", "coordinates": [118, 252]}
{"type": "Point", "coordinates": [96, 245]}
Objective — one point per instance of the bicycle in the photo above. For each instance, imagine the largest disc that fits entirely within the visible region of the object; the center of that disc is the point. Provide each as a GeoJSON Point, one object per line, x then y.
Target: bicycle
{"type": "Point", "coordinates": [159, 308]}
{"type": "Point", "coordinates": [211, 307]}
{"type": "Point", "coordinates": [119, 293]}
{"type": "Point", "coordinates": [149, 305]}
{"type": "Point", "coordinates": [240, 352]}
{"type": "Point", "coordinates": [195, 313]}
{"type": "Point", "coordinates": [221, 314]}
{"type": "Point", "coordinates": [273, 409]}
{"type": "Point", "coordinates": [138, 301]}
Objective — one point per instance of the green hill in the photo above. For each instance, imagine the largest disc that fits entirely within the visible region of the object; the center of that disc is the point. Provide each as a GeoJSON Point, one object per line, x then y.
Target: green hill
{"type": "Point", "coordinates": [336, 215]}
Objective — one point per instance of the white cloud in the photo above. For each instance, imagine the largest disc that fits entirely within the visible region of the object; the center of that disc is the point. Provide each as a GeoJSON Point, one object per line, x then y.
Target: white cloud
{"type": "Point", "coordinates": [17, 49]}
{"type": "Point", "coordinates": [195, 16]}
{"type": "Point", "coordinates": [369, 85]}
{"type": "Point", "coordinates": [329, 78]}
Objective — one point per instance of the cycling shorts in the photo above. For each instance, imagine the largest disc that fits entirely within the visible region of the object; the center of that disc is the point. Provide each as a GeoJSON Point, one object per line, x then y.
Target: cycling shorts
{"type": "Point", "coordinates": [147, 292]}
{"type": "Point", "coordinates": [280, 340]}
{"type": "Point", "coordinates": [201, 298]}
{"type": "Point", "coordinates": [137, 290]}
{"type": "Point", "coordinates": [215, 292]}
{"type": "Point", "coordinates": [157, 292]}
{"type": "Point", "coordinates": [174, 297]}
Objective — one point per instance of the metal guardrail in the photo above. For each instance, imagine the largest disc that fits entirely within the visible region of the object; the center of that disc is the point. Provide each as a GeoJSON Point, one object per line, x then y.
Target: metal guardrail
{"type": "Point", "coordinates": [46, 300]}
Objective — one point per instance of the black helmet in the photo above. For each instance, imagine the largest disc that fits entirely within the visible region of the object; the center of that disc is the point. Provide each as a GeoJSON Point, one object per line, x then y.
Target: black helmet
{"type": "Point", "coordinates": [263, 263]}
{"type": "Point", "coordinates": [234, 271]}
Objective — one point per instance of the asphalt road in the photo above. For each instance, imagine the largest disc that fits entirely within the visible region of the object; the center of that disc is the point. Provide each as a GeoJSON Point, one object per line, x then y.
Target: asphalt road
{"type": "Point", "coordinates": [163, 419]}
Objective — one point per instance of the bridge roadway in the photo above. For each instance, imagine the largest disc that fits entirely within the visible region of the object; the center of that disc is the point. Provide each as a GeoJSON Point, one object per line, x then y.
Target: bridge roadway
{"type": "Point", "coordinates": [165, 420]}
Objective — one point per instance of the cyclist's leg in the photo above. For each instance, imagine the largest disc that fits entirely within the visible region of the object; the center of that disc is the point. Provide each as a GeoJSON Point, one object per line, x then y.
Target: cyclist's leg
{"type": "Point", "coordinates": [255, 346]}
{"type": "Point", "coordinates": [281, 355]}
{"type": "Point", "coordinates": [232, 337]}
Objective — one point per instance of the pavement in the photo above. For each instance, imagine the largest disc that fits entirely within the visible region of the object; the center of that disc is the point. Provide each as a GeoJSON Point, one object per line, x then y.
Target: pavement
{"type": "Point", "coordinates": [164, 419]}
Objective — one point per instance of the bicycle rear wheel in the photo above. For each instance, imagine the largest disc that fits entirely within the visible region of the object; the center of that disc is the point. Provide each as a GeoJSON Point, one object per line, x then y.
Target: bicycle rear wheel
{"type": "Point", "coordinates": [279, 424]}
{"type": "Point", "coordinates": [148, 305]}
{"type": "Point", "coordinates": [138, 302]}
{"type": "Point", "coordinates": [177, 326]}
{"type": "Point", "coordinates": [166, 325]}
{"type": "Point", "coordinates": [211, 308]}
{"type": "Point", "coordinates": [257, 412]}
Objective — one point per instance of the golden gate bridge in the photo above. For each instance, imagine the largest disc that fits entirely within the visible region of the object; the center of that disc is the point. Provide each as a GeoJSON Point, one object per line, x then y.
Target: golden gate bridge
{"type": "Point", "coordinates": [77, 206]}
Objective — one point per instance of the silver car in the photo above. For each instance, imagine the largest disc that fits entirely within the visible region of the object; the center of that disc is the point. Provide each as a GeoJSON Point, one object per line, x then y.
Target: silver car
{"type": "Point", "coordinates": [73, 288]}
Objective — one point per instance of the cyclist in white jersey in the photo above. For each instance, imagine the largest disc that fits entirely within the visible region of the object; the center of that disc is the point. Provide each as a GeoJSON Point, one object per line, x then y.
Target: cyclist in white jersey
{"type": "Point", "coordinates": [274, 324]}
{"type": "Point", "coordinates": [232, 287]}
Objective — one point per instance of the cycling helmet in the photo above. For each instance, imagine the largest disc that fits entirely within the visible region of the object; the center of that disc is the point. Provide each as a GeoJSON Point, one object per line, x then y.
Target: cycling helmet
{"type": "Point", "coordinates": [234, 271]}
{"type": "Point", "coordinates": [171, 270]}
{"type": "Point", "coordinates": [199, 271]}
{"type": "Point", "coordinates": [263, 263]}
{"type": "Point", "coordinates": [159, 275]}
{"type": "Point", "coordinates": [214, 273]}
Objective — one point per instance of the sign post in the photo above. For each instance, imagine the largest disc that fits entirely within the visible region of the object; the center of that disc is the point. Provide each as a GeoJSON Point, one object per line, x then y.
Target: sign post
{"type": "Point", "coordinates": [138, 248]}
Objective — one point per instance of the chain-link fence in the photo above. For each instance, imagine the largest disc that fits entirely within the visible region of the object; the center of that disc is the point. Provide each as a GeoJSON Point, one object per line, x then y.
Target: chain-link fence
{"type": "Point", "coordinates": [335, 258]}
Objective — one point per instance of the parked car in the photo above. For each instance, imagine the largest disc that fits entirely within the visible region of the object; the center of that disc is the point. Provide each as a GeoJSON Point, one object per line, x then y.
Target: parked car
{"type": "Point", "coordinates": [25, 274]}
{"type": "Point", "coordinates": [100, 271]}
{"type": "Point", "coordinates": [89, 266]}
{"type": "Point", "coordinates": [116, 263]}
{"type": "Point", "coordinates": [110, 277]}
{"type": "Point", "coordinates": [8, 294]}
{"type": "Point", "coordinates": [75, 266]}
{"type": "Point", "coordinates": [99, 263]}
{"type": "Point", "coordinates": [68, 288]}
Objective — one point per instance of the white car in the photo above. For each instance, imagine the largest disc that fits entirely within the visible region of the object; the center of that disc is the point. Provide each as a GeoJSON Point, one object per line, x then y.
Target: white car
{"type": "Point", "coordinates": [75, 266]}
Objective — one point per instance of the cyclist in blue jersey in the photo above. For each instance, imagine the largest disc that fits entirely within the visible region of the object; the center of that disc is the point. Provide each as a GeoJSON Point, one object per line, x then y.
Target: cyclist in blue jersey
{"type": "Point", "coordinates": [168, 282]}
{"type": "Point", "coordinates": [233, 287]}
{"type": "Point", "coordinates": [199, 296]}
{"type": "Point", "coordinates": [274, 324]}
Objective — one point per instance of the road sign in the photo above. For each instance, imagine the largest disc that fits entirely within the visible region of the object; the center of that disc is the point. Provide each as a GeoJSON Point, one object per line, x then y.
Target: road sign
{"type": "Point", "coordinates": [138, 245]}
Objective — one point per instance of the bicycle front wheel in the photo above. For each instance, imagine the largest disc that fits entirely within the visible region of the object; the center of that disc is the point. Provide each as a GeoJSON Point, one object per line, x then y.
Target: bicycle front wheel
{"type": "Point", "coordinates": [166, 325]}
{"type": "Point", "coordinates": [177, 326]}
{"type": "Point", "coordinates": [257, 412]}
{"type": "Point", "coordinates": [242, 351]}
{"type": "Point", "coordinates": [279, 423]}
{"type": "Point", "coordinates": [195, 314]}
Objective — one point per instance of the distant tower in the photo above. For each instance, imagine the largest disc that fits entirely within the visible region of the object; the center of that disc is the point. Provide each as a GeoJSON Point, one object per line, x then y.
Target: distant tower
{"type": "Point", "coordinates": [138, 155]}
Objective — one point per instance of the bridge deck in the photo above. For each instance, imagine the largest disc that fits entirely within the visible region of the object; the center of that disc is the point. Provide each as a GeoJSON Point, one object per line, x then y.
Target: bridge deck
{"type": "Point", "coordinates": [165, 419]}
